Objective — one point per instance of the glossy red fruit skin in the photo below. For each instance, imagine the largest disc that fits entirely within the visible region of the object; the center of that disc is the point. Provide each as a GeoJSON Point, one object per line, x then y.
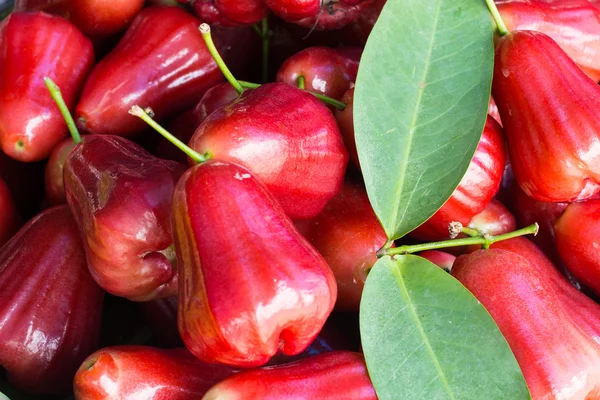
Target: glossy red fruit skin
{"type": "Point", "coordinates": [54, 184]}
{"type": "Point", "coordinates": [573, 24]}
{"type": "Point", "coordinates": [142, 372]}
{"type": "Point", "coordinates": [493, 111]}
{"type": "Point", "coordinates": [476, 189]}
{"type": "Point", "coordinates": [362, 27]}
{"type": "Point", "coordinates": [550, 118]}
{"type": "Point", "coordinates": [266, 289]}
{"type": "Point", "coordinates": [558, 359]}
{"type": "Point", "coordinates": [528, 211]}
{"type": "Point", "coordinates": [30, 122]}
{"type": "Point", "coordinates": [345, 120]}
{"type": "Point", "coordinates": [10, 220]}
{"type": "Point", "coordinates": [333, 337]}
{"type": "Point", "coordinates": [440, 258]}
{"type": "Point", "coordinates": [336, 375]}
{"type": "Point", "coordinates": [120, 196]}
{"type": "Point", "coordinates": [335, 15]}
{"type": "Point", "coordinates": [230, 12]}
{"type": "Point", "coordinates": [95, 18]}
{"type": "Point", "coordinates": [577, 241]}
{"type": "Point", "coordinates": [161, 63]}
{"type": "Point", "coordinates": [583, 311]}
{"type": "Point", "coordinates": [50, 306]}
{"type": "Point", "coordinates": [327, 71]}
{"type": "Point", "coordinates": [216, 97]}
{"type": "Point", "coordinates": [495, 219]}
{"type": "Point", "coordinates": [184, 126]}
{"type": "Point", "coordinates": [294, 10]}
{"type": "Point", "coordinates": [102, 18]}
{"type": "Point", "coordinates": [287, 138]}
{"type": "Point", "coordinates": [347, 234]}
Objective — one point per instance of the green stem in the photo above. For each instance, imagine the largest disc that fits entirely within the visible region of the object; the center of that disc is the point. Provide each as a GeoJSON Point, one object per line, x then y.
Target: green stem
{"type": "Point", "coordinates": [486, 241]}
{"type": "Point", "coordinates": [471, 232]}
{"type": "Point", "coordinates": [139, 112]}
{"type": "Point", "coordinates": [502, 29]}
{"type": "Point", "coordinates": [205, 31]}
{"type": "Point", "coordinates": [328, 100]}
{"type": "Point", "coordinates": [249, 85]}
{"type": "Point", "coordinates": [64, 110]}
{"type": "Point", "coordinates": [301, 83]}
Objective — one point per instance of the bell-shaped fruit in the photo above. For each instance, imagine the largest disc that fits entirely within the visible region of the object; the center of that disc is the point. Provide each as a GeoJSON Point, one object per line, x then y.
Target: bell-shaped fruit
{"type": "Point", "coordinates": [584, 311]}
{"type": "Point", "coordinates": [50, 306]}
{"type": "Point", "coordinates": [476, 189]}
{"type": "Point", "coordinates": [573, 24]}
{"type": "Point", "coordinates": [184, 126]}
{"type": "Point", "coordinates": [54, 183]}
{"type": "Point", "coordinates": [230, 12]}
{"type": "Point", "coordinates": [95, 18]}
{"type": "Point", "coordinates": [347, 234]}
{"type": "Point", "coordinates": [287, 138]}
{"type": "Point", "coordinates": [294, 10]}
{"type": "Point", "coordinates": [578, 240]}
{"type": "Point", "coordinates": [337, 375]}
{"type": "Point", "coordinates": [34, 46]}
{"type": "Point", "coordinates": [558, 358]}
{"type": "Point", "coordinates": [528, 211]}
{"type": "Point", "coordinates": [161, 63]}
{"type": "Point", "coordinates": [249, 283]}
{"type": "Point", "coordinates": [319, 14]}
{"type": "Point", "coordinates": [120, 196]}
{"type": "Point", "coordinates": [551, 118]}
{"type": "Point", "coordinates": [325, 70]}
{"type": "Point", "coordinates": [141, 372]}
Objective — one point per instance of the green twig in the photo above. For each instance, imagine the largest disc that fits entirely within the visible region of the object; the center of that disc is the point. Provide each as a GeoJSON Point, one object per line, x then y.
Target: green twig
{"type": "Point", "coordinates": [301, 82]}
{"type": "Point", "coordinates": [486, 241]}
{"type": "Point", "coordinates": [139, 112]}
{"type": "Point", "coordinates": [502, 29]}
{"type": "Point", "coordinates": [205, 31]}
{"type": "Point", "coordinates": [328, 100]}
{"type": "Point", "coordinates": [64, 110]}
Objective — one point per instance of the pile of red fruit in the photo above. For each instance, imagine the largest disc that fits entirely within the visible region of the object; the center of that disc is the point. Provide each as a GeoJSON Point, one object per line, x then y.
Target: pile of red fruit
{"type": "Point", "coordinates": [233, 268]}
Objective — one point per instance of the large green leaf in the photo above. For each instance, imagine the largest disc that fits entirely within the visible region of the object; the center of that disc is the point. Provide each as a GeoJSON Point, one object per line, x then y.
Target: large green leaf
{"type": "Point", "coordinates": [420, 105]}
{"type": "Point", "coordinates": [425, 336]}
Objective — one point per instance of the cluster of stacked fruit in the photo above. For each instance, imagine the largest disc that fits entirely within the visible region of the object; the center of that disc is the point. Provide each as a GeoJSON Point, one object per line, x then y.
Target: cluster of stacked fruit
{"type": "Point", "coordinates": [241, 235]}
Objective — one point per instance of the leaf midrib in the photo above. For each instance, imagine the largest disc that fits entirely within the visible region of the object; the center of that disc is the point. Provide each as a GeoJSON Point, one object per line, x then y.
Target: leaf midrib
{"type": "Point", "coordinates": [413, 313]}
{"type": "Point", "coordinates": [416, 113]}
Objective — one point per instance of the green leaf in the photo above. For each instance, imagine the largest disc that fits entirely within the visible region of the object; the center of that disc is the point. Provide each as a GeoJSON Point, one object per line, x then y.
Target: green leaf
{"type": "Point", "coordinates": [420, 105]}
{"type": "Point", "coordinates": [425, 336]}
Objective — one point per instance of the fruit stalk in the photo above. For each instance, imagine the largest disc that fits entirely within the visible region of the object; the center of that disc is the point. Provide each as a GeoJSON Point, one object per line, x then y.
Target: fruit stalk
{"type": "Point", "coordinates": [485, 240]}
{"type": "Point", "coordinates": [204, 29]}
{"type": "Point", "coordinates": [502, 30]}
{"type": "Point", "coordinates": [64, 110]}
{"type": "Point", "coordinates": [140, 113]}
